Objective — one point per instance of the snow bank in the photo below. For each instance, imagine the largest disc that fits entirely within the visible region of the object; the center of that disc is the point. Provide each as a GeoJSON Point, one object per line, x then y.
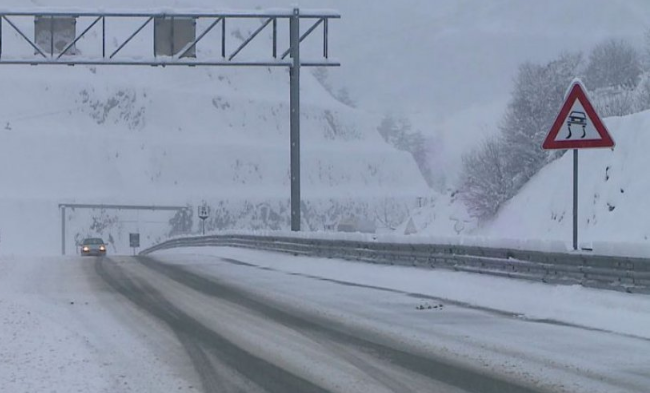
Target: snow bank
{"type": "Point", "coordinates": [606, 310]}
{"type": "Point", "coordinates": [61, 331]}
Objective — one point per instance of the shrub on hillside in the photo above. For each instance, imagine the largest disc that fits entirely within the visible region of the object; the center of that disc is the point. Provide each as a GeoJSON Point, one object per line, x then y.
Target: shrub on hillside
{"type": "Point", "coordinates": [485, 181]}
{"type": "Point", "coordinates": [622, 101]}
{"type": "Point", "coordinates": [494, 172]}
{"type": "Point", "coordinates": [538, 95]}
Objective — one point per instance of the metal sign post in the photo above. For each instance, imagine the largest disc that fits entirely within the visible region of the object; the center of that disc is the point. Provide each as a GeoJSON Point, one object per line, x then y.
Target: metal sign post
{"type": "Point", "coordinates": [181, 47]}
{"type": "Point", "coordinates": [575, 199]}
{"type": "Point", "coordinates": [578, 126]}
{"type": "Point", "coordinates": [295, 119]}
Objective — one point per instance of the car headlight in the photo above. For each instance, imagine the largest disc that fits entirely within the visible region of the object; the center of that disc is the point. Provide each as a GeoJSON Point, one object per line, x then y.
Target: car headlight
{"type": "Point", "coordinates": [86, 249]}
{"type": "Point", "coordinates": [102, 248]}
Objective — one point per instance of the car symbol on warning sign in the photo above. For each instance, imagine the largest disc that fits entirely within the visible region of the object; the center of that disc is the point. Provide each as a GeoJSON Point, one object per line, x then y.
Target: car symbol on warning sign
{"type": "Point", "coordinates": [577, 119]}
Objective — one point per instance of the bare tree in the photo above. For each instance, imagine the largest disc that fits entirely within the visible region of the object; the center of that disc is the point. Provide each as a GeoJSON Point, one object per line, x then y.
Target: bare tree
{"type": "Point", "coordinates": [389, 213]}
{"type": "Point", "coordinates": [485, 183]}
{"type": "Point", "coordinates": [181, 223]}
{"type": "Point", "coordinates": [614, 102]}
{"type": "Point", "coordinates": [538, 95]}
{"type": "Point", "coordinates": [613, 63]}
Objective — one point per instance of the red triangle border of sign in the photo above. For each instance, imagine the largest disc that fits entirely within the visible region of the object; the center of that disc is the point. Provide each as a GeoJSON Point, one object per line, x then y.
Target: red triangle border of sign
{"type": "Point", "coordinates": [577, 93]}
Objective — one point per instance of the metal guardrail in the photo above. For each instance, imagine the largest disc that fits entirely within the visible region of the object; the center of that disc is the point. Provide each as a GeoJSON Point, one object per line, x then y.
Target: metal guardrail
{"type": "Point", "coordinates": [616, 273]}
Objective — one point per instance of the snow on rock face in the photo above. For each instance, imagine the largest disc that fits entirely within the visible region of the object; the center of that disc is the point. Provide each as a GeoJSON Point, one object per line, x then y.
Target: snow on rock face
{"type": "Point", "coordinates": [613, 194]}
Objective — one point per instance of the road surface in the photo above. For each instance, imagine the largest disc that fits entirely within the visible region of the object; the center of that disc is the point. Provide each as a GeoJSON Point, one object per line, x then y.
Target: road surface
{"type": "Point", "coordinates": [228, 325]}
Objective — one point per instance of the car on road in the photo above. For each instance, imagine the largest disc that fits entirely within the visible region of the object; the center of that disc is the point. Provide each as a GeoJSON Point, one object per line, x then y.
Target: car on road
{"type": "Point", "coordinates": [93, 247]}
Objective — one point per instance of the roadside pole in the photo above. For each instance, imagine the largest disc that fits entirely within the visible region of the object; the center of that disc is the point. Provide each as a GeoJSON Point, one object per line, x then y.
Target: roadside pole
{"type": "Point", "coordinates": [575, 199]}
{"type": "Point", "coordinates": [294, 103]}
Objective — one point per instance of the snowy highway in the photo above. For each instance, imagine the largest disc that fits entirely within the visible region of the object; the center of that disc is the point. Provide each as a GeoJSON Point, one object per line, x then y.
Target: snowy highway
{"type": "Point", "coordinates": [226, 320]}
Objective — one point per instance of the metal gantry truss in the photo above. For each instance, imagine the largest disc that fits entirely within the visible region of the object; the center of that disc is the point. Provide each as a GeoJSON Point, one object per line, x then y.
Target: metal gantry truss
{"type": "Point", "coordinates": [277, 56]}
{"type": "Point", "coordinates": [44, 52]}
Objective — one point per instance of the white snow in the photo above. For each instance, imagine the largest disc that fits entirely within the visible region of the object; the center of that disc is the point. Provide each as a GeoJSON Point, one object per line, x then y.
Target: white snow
{"type": "Point", "coordinates": [141, 135]}
{"type": "Point", "coordinates": [544, 353]}
{"type": "Point", "coordinates": [605, 310]}
{"type": "Point", "coordinates": [180, 135]}
{"type": "Point", "coordinates": [63, 329]}
{"type": "Point", "coordinates": [60, 332]}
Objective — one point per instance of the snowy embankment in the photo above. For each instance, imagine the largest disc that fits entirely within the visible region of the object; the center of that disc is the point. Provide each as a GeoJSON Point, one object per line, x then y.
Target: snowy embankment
{"type": "Point", "coordinates": [613, 201]}
{"type": "Point", "coordinates": [613, 196]}
{"type": "Point", "coordinates": [621, 313]}
{"type": "Point", "coordinates": [61, 330]}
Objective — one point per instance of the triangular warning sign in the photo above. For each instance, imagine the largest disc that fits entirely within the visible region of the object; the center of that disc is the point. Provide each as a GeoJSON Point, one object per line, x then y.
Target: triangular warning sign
{"type": "Point", "coordinates": [410, 227]}
{"type": "Point", "coordinates": [578, 126]}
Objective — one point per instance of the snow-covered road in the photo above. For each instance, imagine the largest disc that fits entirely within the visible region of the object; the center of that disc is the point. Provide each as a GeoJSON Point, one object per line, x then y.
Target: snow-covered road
{"type": "Point", "coordinates": [237, 320]}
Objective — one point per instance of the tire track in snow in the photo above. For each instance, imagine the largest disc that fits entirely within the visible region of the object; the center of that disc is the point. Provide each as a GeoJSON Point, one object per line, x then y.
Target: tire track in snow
{"type": "Point", "coordinates": [199, 341]}
{"type": "Point", "coordinates": [436, 370]}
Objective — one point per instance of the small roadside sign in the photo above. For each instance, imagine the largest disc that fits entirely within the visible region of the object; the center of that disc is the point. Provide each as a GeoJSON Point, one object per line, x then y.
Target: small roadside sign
{"type": "Point", "coordinates": [578, 126]}
{"type": "Point", "coordinates": [204, 212]}
{"type": "Point", "coordinates": [134, 240]}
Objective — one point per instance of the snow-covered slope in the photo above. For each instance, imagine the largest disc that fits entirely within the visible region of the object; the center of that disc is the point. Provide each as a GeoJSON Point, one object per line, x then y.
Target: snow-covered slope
{"type": "Point", "coordinates": [448, 65]}
{"type": "Point", "coordinates": [614, 189]}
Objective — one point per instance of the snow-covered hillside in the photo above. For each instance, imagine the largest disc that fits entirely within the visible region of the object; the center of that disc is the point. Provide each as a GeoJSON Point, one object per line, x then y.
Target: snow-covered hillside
{"type": "Point", "coordinates": [613, 202]}
{"type": "Point", "coordinates": [181, 136]}
{"type": "Point", "coordinates": [447, 65]}
{"type": "Point", "coordinates": [178, 137]}
{"type": "Point", "coordinates": [613, 193]}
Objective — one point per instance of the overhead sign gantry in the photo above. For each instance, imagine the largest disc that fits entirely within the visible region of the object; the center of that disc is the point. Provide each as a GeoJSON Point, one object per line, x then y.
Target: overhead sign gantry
{"type": "Point", "coordinates": [177, 39]}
